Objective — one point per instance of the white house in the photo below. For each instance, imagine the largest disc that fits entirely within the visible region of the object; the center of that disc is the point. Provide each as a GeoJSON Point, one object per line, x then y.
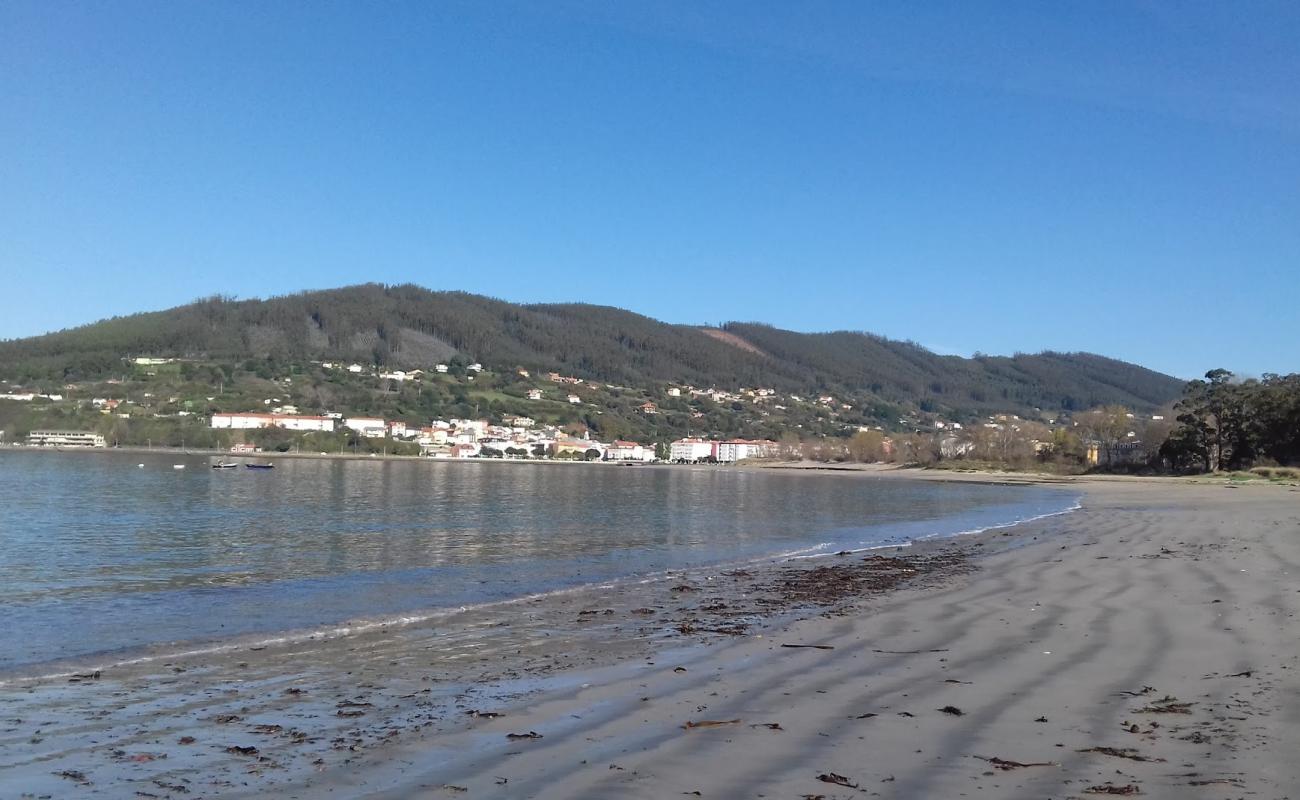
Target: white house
{"type": "Point", "coordinates": [574, 399]}
{"type": "Point", "coordinates": [441, 368]}
{"type": "Point", "coordinates": [534, 394]}
{"type": "Point", "coordinates": [369, 427]}
{"type": "Point", "coordinates": [355, 369]}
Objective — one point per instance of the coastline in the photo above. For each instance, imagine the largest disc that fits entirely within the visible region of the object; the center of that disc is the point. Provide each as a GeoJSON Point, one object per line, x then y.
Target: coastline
{"type": "Point", "coordinates": [586, 653]}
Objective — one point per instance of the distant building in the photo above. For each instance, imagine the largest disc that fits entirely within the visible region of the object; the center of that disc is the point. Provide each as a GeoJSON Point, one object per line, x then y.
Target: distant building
{"type": "Point", "coordinates": [65, 439]}
{"type": "Point", "coordinates": [291, 422]}
{"type": "Point", "coordinates": [691, 450]}
{"type": "Point", "coordinates": [673, 391]}
{"type": "Point", "coordinates": [648, 408]}
{"type": "Point", "coordinates": [355, 369]}
{"type": "Point", "coordinates": [574, 399]}
{"type": "Point", "coordinates": [578, 447]}
{"type": "Point", "coordinates": [440, 368]}
{"type": "Point", "coordinates": [1131, 452]}
{"type": "Point", "coordinates": [534, 394]}
{"type": "Point", "coordinates": [629, 451]}
{"type": "Point", "coordinates": [733, 450]}
{"type": "Point", "coordinates": [369, 427]}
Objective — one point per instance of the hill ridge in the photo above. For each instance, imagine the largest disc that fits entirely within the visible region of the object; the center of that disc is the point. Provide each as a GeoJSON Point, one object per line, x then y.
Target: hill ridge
{"type": "Point", "coordinates": [407, 326]}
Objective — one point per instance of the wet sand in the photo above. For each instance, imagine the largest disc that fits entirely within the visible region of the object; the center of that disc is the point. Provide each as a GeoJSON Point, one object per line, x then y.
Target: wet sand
{"type": "Point", "coordinates": [1157, 623]}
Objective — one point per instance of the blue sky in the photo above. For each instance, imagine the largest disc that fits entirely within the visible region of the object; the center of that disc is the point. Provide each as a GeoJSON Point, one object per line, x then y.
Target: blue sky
{"type": "Point", "coordinates": [1122, 178]}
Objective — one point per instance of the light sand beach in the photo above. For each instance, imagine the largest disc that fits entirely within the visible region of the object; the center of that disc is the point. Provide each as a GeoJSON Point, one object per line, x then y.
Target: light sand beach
{"type": "Point", "coordinates": [1145, 645]}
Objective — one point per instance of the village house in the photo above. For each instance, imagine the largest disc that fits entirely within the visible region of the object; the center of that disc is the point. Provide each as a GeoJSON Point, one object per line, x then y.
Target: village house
{"type": "Point", "coordinates": [648, 408]}
{"type": "Point", "coordinates": [534, 394]}
{"type": "Point", "coordinates": [574, 399]}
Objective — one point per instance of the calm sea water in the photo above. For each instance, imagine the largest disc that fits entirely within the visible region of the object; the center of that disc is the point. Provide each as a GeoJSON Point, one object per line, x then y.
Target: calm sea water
{"type": "Point", "coordinates": [99, 555]}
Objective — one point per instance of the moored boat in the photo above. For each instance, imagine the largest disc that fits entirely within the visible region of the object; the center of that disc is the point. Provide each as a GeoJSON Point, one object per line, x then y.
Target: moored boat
{"type": "Point", "coordinates": [260, 466]}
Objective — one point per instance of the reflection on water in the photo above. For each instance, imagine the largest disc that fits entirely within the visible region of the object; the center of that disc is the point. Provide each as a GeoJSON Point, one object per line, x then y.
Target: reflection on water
{"type": "Point", "coordinates": [97, 554]}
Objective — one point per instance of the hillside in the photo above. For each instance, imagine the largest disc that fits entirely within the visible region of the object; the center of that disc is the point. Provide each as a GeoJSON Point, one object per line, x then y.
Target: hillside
{"type": "Point", "coordinates": [409, 326]}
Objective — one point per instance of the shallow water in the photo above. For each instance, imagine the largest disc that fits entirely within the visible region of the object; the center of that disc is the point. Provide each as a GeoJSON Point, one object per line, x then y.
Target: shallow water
{"type": "Point", "coordinates": [98, 555]}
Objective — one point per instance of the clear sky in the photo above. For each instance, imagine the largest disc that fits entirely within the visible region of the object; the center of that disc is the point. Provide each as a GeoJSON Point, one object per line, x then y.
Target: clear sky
{"type": "Point", "coordinates": [1118, 177]}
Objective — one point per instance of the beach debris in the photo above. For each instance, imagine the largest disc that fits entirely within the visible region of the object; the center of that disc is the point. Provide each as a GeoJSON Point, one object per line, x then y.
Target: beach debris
{"type": "Point", "coordinates": [84, 676]}
{"type": "Point", "coordinates": [451, 787]}
{"type": "Point", "coordinates": [954, 680]}
{"type": "Point", "coordinates": [811, 646]}
{"type": "Point", "coordinates": [1145, 690]}
{"type": "Point", "coordinates": [267, 729]}
{"type": "Point", "coordinates": [685, 588]}
{"type": "Point", "coordinates": [906, 714]}
{"type": "Point", "coordinates": [679, 669]}
{"type": "Point", "coordinates": [1120, 752]}
{"type": "Point", "coordinates": [1007, 764]}
{"type": "Point", "coordinates": [1167, 705]}
{"type": "Point", "coordinates": [1041, 719]}
{"type": "Point", "coordinates": [529, 735]}
{"type": "Point", "coordinates": [73, 775]}
{"type": "Point", "coordinates": [908, 652]}
{"type": "Point", "coordinates": [241, 750]}
{"type": "Point", "coordinates": [867, 715]}
{"type": "Point", "coordinates": [1248, 673]}
{"type": "Point", "coordinates": [226, 719]}
{"type": "Point", "coordinates": [953, 710]}
{"type": "Point", "coordinates": [710, 723]}
{"type": "Point", "coordinates": [500, 781]}
{"type": "Point", "coordinates": [356, 712]}
{"type": "Point", "coordinates": [186, 740]}
{"type": "Point", "coordinates": [484, 714]}
{"type": "Point", "coordinates": [1216, 782]}
{"type": "Point", "coordinates": [838, 780]}
{"type": "Point", "coordinates": [1110, 788]}
{"type": "Point", "coordinates": [295, 690]}
{"type": "Point", "coordinates": [771, 726]}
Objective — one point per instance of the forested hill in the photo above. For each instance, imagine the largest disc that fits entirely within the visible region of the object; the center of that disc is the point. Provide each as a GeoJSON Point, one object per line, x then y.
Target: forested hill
{"type": "Point", "coordinates": [409, 326]}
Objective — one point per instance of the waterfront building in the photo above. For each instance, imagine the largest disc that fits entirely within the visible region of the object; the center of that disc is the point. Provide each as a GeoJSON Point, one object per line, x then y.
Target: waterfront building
{"type": "Point", "coordinates": [65, 439]}
{"type": "Point", "coordinates": [691, 449]}
{"type": "Point", "coordinates": [293, 422]}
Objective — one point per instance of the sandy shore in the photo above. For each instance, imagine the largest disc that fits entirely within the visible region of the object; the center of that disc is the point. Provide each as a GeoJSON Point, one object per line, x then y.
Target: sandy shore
{"type": "Point", "coordinates": [1158, 621]}
{"type": "Point", "coordinates": [1145, 644]}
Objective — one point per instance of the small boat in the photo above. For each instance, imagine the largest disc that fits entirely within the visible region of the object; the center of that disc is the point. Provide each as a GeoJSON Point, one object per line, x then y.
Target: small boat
{"type": "Point", "coordinates": [178, 466]}
{"type": "Point", "coordinates": [224, 465]}
{"type": "Point", "coordinates": [260, 466]}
